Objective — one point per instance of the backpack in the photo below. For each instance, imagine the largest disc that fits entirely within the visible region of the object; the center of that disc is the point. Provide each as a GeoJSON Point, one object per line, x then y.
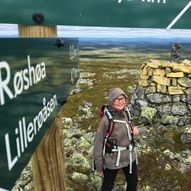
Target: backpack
{"type": "Point", "coordinates": [109, 146]}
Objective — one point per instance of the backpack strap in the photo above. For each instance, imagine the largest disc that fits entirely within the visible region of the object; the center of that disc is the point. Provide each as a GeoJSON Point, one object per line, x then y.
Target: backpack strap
{"type": "Point", "coordinates": [130, 124]}
{"type": "Point", "coordinates": [109, 130]}
{"type": "Point", "coordinates": [109, 116]}
{"type": "Point", "coordinates": [128, 114]}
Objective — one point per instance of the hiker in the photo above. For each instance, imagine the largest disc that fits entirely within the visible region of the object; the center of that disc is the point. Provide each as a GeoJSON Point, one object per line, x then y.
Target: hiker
{"type": "Point", "coordinates": [114, 143]}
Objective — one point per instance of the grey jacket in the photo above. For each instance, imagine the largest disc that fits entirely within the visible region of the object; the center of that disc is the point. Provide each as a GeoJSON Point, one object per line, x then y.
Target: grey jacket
{"type": "Point", "coordinates": [119, 136]}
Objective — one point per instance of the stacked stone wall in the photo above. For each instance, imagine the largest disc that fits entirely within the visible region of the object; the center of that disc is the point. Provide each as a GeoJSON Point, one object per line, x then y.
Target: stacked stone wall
{"type": "Point", "coordinates": [165, 92]}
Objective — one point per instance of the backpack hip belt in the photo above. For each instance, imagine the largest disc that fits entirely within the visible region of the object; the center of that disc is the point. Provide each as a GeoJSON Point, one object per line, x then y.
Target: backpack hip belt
{"type": "Point", "coordinates": [131, 150]}
{"type": "Point", "coordinates": [119, 149]}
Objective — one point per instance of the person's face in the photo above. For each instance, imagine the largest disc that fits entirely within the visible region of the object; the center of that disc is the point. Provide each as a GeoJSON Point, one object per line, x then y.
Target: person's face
{"type": "Point", "coordinates": [120, 102]}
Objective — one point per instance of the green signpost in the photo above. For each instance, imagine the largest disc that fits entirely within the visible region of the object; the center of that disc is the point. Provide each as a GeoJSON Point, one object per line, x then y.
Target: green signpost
{"type": "Point", "coordinates": [36, 76]}
{"type": "Point", "coordinates": [111, 13]}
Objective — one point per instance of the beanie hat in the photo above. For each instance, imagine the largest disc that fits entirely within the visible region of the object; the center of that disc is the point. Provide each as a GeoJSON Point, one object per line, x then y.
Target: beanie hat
{"type": "Point", "coordinates": [114, 93]}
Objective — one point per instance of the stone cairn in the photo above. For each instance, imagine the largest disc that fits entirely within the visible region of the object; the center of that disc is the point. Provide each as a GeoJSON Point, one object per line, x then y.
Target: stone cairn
{"type": "Point", "coordinates": [164, 93]}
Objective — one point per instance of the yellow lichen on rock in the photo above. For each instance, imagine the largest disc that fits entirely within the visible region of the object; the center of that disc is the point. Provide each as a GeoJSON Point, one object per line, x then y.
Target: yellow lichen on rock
{"type": "Point", "coordinates": [161, 80]}
{"type": "Point", "coordinates": [173, 90]}
{"type": "Point", "coordinates": [159, 72]}
{"type": "Point", "coordinates": [182, 68]}
{"type": "Point", "coordinates": [166, 77]}
{"type": "Point", "coordinates": [175, 75]}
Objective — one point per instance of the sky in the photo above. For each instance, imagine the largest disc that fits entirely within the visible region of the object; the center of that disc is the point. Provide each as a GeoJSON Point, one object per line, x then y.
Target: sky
{"type": "Point", "coordinates": [11, 30]}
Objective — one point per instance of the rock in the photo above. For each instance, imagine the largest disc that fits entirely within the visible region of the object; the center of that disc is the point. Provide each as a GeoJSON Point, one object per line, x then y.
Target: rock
{"type": "Point", "coordinates": [141, 103]}
{"type": "Point", "coordinates": [76, 90]}
{"type": "Point", "coordinates": [87, 82]}
{"type": "Point", "coordinates": [184, 120]}
{"type": "Point", "coordinates": [86, 109]}
{"type": "Point", "coordinates": [67, 122]}
{"type": "Point", "coordinates": [186, 136]}
{"type": "Point", "coordinates": [161, 88]}
{"type": "Point", "coordinates": [188, 160]}
{"type": "Point", "coordinates": [70, 142]}
{"type": "Point", "coordinates": [79, 178]}
{"type": "Point", "coordinates": [186, 62]}
{"type": "Point", "coordinates": [188, 99]}
{"type": "Point", "coordinates": [174, 82]}
{"type": "Point", "coordinates": [159, 72]}
{"type": "Point", "coordinates": [96, 181]}
{"type": "Point", "coordinates": [148, 113]}
{"type": "Point", "coordinates": [84, 144]}
{"type": "Point", "coordinates": [181, 68]}
{"type": "Point", "coordinates": [166, 64]}
{"type": "Point", "coordinates": [140, 93]}
{"type": "Point", "coordinates": [168, 70]}
{"type": "Point", "coordinates": [159, 98]}
{"type": "Point", "coordinates": [143, 82]}
{"type": "Point", "coordinates": [153, 64]}
{"type": "Point", "coordinates": [176, 98]}
{"type": "Point", "coordinates": [175, 75]}
{"type": "Point", "coordinates": [189, 106]}
{"type": "Point", "coordinates": [185, 82]}
{"type": "Point", "coordinates": [169, 119]}
{"type": "Point", "coordinates": [29, 187]}
{"type": "Point", "coordinates": [161, 80]}
{"type": "Point", "coordinates": [188, 91]}
{"type": "Point", "coordinates": [169, 154]}
{"type": "Point", "coordinates": [79, 163]}
{"type": "Point", "coordinates": [175, 90]}
{"type": "Point", "coordinates": [165, 108]}
{"type": "Point", "coordinates": [179, 108]}
{"type": "Point", "coordinates": [150, 89]}
{"type": "Point", "coordinates": [87, 74]}
{"type": "Point", "coordinates": [89, 136]}
{"type": "Point", "coordinates": [167, 167]}
{"type": "Point", "coordinates": [67, 133]}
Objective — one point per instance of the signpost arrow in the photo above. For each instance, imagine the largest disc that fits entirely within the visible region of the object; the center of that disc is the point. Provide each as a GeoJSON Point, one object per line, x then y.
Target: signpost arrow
{"type": "Point", "coordinates": [107, 13]}
{"type": "Point", "coordinates": [179, 15]}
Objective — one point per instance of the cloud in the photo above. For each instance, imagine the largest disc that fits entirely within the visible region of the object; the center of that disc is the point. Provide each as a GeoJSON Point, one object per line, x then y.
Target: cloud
{"type": "Point", "coordinates": [121, 32]}
{"type": "Point", "coordinates": [11, 30]}
{"type": "Point", "coordinates": [8, 30]}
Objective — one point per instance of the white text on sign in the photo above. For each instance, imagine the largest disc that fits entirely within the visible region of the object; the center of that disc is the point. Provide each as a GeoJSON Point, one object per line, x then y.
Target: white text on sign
{"type": "Point", "coordinates": [147, 1]}
{"type": "Point", "coordinates": [27, 130]}
{"type": "Point", "coordinates": [154, 1]}
{"type": "Point", "coordinates": [22, 79]}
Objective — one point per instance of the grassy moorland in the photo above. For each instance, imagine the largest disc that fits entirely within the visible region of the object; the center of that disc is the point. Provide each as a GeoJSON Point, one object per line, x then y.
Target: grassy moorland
{"type": "Point", "coordinates": [108, 65]}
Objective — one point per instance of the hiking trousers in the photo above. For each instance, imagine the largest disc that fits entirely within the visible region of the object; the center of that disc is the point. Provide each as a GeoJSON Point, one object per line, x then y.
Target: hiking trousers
{"type": "Point", "coordinates": [110, 175]}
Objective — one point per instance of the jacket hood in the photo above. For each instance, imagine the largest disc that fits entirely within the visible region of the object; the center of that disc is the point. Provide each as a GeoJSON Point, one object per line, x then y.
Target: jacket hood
{"type": "Point", "coordinates": [114, 93]}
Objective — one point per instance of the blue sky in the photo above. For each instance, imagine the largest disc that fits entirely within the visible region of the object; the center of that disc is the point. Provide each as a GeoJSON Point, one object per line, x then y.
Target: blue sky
{"type": "Point", "coordinates": [11, 30]}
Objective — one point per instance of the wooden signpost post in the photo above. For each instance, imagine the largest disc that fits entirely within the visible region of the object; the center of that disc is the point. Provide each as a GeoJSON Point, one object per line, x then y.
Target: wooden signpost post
{"type": "Point", "coordinates": [37, 31]}
{"type": "Point", "coordinates": [48, 161]}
